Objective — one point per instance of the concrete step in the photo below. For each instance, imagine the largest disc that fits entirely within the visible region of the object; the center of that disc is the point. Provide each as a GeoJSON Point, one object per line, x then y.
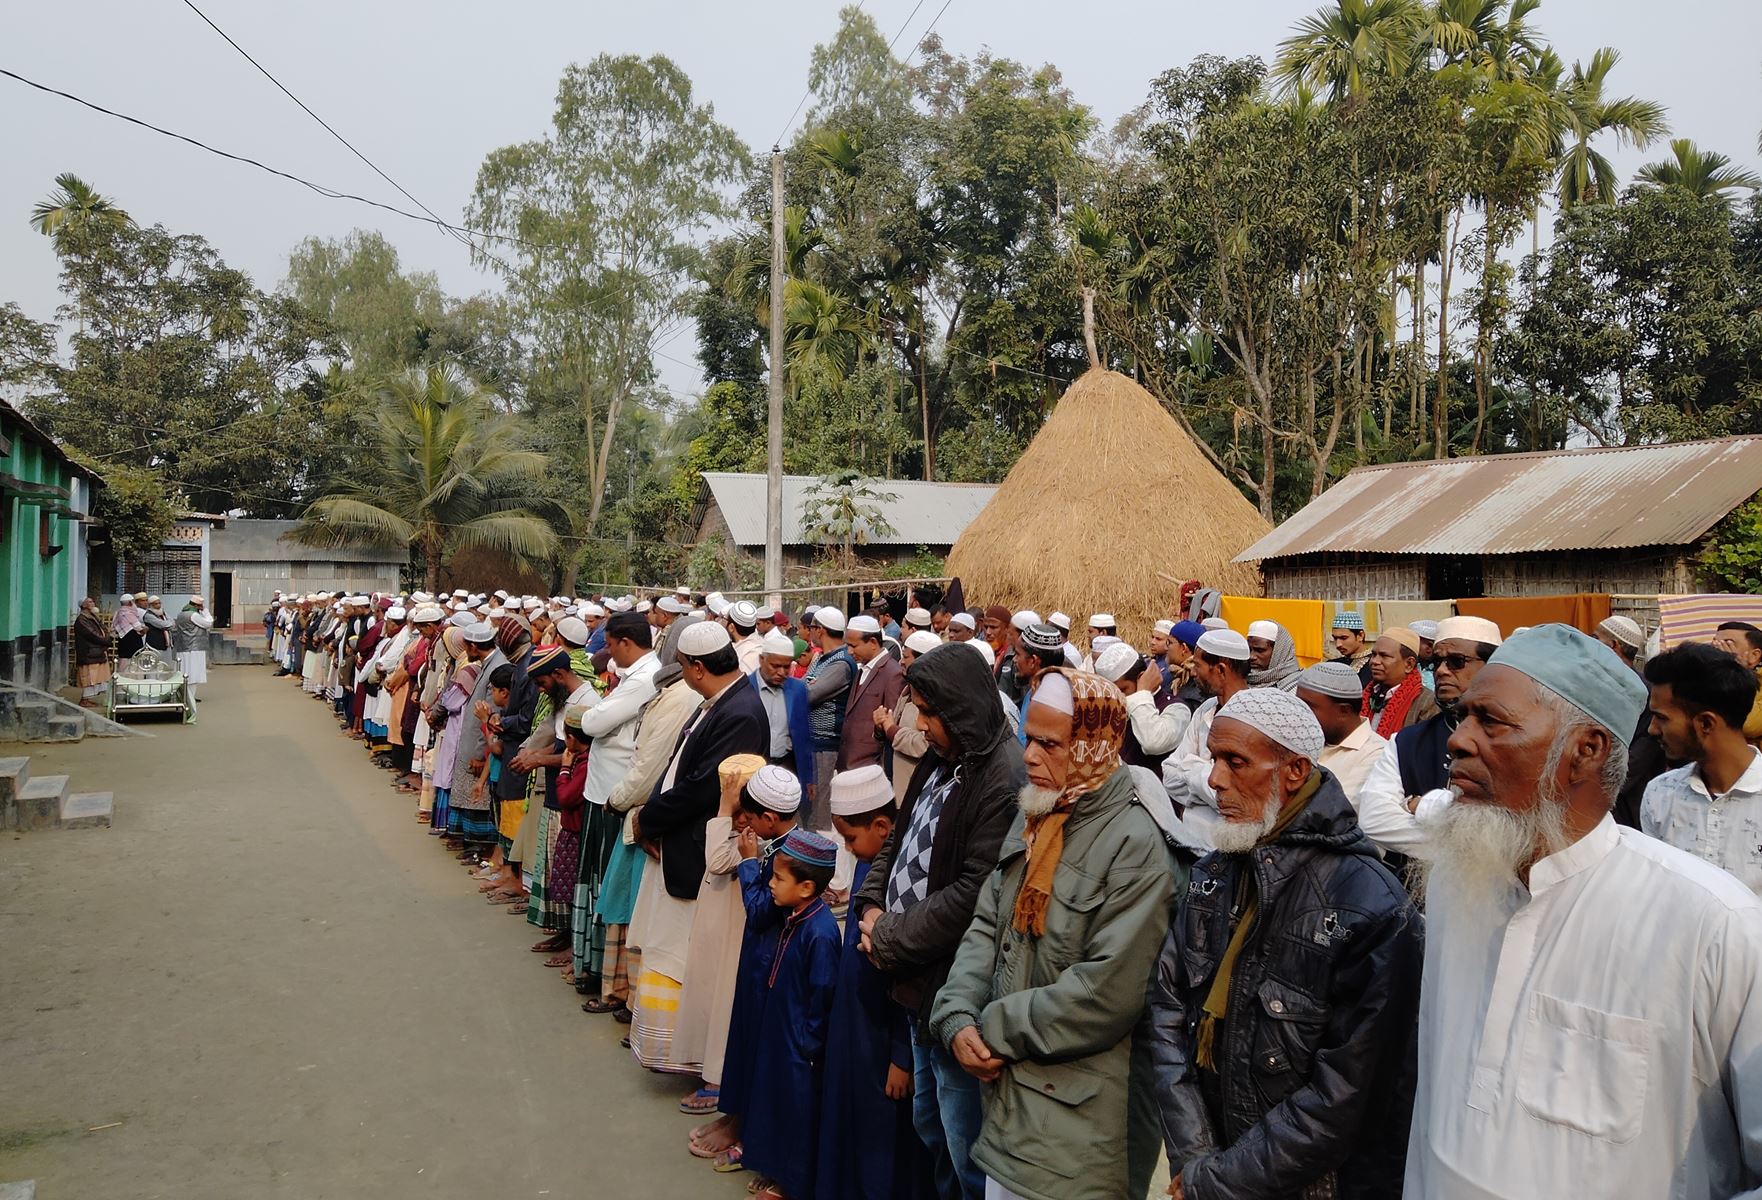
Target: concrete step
{"type": "Point", "coordinates": [39, 802]}
{"type": "Point", "coordinates": [14, 774]}
{"type": "Point", "coordinates": [27, 1190]}
{"type": "Point", "coordinates": [31, 718]}
{"type": "Point", "coordinates": [62, 728]}
{"type": "Point", "coordinates": [86, 810]}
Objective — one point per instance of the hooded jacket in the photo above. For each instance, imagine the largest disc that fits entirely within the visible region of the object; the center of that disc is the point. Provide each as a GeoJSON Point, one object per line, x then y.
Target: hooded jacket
{"type": "Point", "coordinates": [916, 947]}
{"type": "Point", "coordinates": [1317, 1054]}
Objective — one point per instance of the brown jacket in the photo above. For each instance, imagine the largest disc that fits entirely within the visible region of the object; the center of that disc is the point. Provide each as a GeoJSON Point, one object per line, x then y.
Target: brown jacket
{"type": "Point", "coordinates": [861, 743]}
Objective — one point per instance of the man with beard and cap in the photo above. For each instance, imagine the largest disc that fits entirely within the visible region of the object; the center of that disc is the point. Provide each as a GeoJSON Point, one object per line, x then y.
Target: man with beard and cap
{"type": "Point", "coordinates": [962, 627]}
{"type": "Point", "coordinates": [1591, 1023]}
{"type": "Point", "coordinates": [1349, 644]}
{"type": "Point", "coordinates": [787, 708]}
{"type": "Point", "coordinates": [919, 897]}
{"type": "Point", "coordinates": [1284, 1001]}
{"type": "Point", "coordinates": [1049, 980]}
{"type": "Point", "coordinates": [471, 814]}
{"type": "Point", "coordinates": [1411, 775]}
{"type": "Point", "coordinates": [743, 627]}
{"type": "Point", "coordinates": [1221, 659]}
{"type": "Point", "coordinates": [157, 623]}
{"type": "Point", "coordinates": [190, 641]}
{"type": "Point", "coordinates": [1039, 648]}
{"type": "Point", "coordinates": [1272, 657]}
{"type": "Point", "coordinates": [1712, 807]}
{"type": "Point", "coordinates": [1397, 697]}
{"type": "Point", "coordinates": [1331, 690]}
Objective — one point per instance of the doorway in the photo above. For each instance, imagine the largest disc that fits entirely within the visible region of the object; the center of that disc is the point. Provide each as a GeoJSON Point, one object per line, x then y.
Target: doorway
{"type": "Point", "coordinates": [220, 604]}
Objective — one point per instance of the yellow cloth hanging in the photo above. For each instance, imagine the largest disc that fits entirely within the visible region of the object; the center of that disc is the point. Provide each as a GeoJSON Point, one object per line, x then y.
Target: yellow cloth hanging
{"type": "Point", "coordinates": [1305, 620]}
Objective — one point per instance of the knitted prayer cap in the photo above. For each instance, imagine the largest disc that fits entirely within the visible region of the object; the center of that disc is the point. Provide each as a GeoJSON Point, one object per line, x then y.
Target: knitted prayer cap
{"type": "Point", "coordinates": [1279, 715]}
{"type": "Point", "coordinates": [776, 788]}
{"type": "Point", "coordinates": [1335, 679]}
{"type": "Point", "coordinates": [1624, 630]}
{"type": "Point", "coordinates": [1349, 620]}
{"type": "Point", "coordinates": [813, 849]}
{"type": "Point", "coordinates": [546, 659]}
{"type": "Point", "coordinates": [860, 790]}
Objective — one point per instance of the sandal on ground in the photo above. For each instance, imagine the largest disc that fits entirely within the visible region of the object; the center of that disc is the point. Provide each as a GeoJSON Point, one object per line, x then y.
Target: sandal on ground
{"type": "Point", "coordinates": [559, 960]}
{"type": "Point", "coordinates": [549, 945]}
{"type": "Point", "coordinates": [728, 1162]}
{"type": "Point", "coordinates": [704, 1100]}
{"type": "Point", "coordinates": [699, 1149]}
{"type": "Point", "coordinates": [599, 1004]}
{"type": "Point", "coordinates": [622, 1015]}
{"type": "Point", "coordinates": [520, 908]}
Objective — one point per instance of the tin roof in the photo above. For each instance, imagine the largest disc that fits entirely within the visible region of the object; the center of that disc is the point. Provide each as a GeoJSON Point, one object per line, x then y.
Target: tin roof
{"type": "Point", "coordinates": [1523, 503]}
{"type": "Point", "coordinates": [921, 514]}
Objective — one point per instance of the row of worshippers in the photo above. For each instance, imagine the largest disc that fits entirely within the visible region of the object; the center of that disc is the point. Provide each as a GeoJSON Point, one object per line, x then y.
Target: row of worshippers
{"type": "Point", "coordinates": [1093, 957]}
{"type": "Point", "coordinates": [140, 622]}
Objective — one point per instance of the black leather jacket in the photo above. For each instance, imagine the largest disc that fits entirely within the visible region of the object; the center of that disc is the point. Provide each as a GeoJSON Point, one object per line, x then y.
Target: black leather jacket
{"type": "Point", "coordinates": [1317, 1055]}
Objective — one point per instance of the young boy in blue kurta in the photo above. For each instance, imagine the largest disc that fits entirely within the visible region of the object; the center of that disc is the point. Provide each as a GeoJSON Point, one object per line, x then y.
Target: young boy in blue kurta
{"type": "Point", "coordinates": [780, 1124]}
{"type": "Point", "coordinates": [866, 1105]}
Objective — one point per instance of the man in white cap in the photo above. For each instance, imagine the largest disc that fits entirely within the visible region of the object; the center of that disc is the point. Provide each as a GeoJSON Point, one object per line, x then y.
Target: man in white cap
{"type": "Point", "coordinates": [1332, 692]}
{"type": "Point", "coordinates": [189, 638]}
{"type": "Point", "coordinates": [1414, 767]}
{"type": "Point", "coordinates": [1221, 667]}
{"type": "Point", "coordinates": [1591, 1022]}
{"type": "Point", "coordinates": [962, 627]}
{"type": "Point", "coordinates": [916, 618]}
{"type": "Point", "coordinates": [1284, 1072]}
{"type": "Point", "coordinates": [743, 627]}
{"type": "Point", "coordinates": [879, 681]}
{"type": "Point", "coordinates": [1427, 633]}
{"type": "Point", "coordinates": [787, 708]}
{"type": "Point", "coordinates": [1151, 734]}
{"type": "Point", "coordinates": [1158, 649]}
{"type": "Point", "coordinates": [1060, 622]}
{"type": "Point", "coordinates": [594, 617]}
{"type": "Point", "coordinates": [830, 678]}
{"type": "Point", "coordinates": [1102, 625]}
{"type": "Point", "coordinates": [1646, 759]}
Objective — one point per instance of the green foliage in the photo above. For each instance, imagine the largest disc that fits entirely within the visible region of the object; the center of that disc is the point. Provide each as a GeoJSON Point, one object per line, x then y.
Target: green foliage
{"type": "Point", "coordinates": [137, 508]}
{"type": "Point", "coordinates": [27, 352]}
{"type": "Point", "coordinates": [1732, 556]}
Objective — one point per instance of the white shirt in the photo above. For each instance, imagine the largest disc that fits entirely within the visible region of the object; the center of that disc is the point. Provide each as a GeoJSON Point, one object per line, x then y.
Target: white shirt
{"type": "Point", "coordinates": [1157, 732]}
{"type": "Point", "coordinates": [1382, 807]}
{"type": "Point", "coordinates": [613, 724]}
{"type": "Point", "coordinates": [581, 695]}
{"type": "Point", "coordinates": [1186, 772]}
{"type": "Point", "coordinates": [1601, 1038]}
{"type": "Point", "coordinates": [748, 650]}
{"type": "Point", "coordinates": [1352, 757]}
{"type": "Point", "coordinates": [1724, 830]}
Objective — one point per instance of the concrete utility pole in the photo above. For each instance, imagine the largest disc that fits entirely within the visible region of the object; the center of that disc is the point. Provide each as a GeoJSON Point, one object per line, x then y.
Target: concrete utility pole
{"type": "Point", "coordinates": [774, 423]}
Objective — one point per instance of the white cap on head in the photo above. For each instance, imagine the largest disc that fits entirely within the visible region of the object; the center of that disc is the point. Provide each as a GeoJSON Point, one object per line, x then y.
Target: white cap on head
{"type": "Point", "coordinates": [1428, 630]}
{"type": "Point", "coordinates": [643, 606]}
{"type": "Point", "coordinates": [777, 645]}
{"type": "Point", "coordinates": [428, 614]}
{"type": "Point", "coordinates": [1470, 629]}
{"type": "Point", "coordinates": [1105, 641]}
{"type": "Point", "coordinates": [1073, 656]}
{"type": "Point", "coordinates": [833, 620]}
{"type": "Point", "coordinates": [1102, 621]}
{"type": "Point", "coordinates": [1281, 716]}
{"type": "Point", "coordinates": [922, 641]}
{"type": "Point", "coordinates": [500, 593]}
{"type": "Point", "coordinates": [1054, 691]}
{"type": "Point", "coordinates": [395, 613]}
{"type": "Point", "coordinates": [964, 620]}
{"type": "Point", "coordinates": [704, 638]}
{"type": "Point", "coordinates": [1164, 627]}
{"type": "Point", "coordinates": [1268, 630]}
{"type": "Point", "coordinates": [982, 648]}
{"type": "Point", "coordinates": [860, 790]}
{"type": "Point", "coordinates": [1224, 643]}
{"type": "Point", "coordinates": [674, 605]}
{"type": "Point", "coordinates": [776, 788]}
{"type": "Point", "coordinates": [919, 617]}
{"type": "Point", "coordinates": [718, 605]}
{"type": "Point", "coordinates": [1115, 661]}
{"type": "Point", "coordinates": [1624, 630]}
{"type": "Point", "coordinates": [421, 597]}
{"type": "Point", "coordinates": [744, 613]}
{"type": "Point", "coordinates": [481, 633]}
{"type": "Point", "coordinates": [573, 630]}
{"type": "Point", "coordinates": [1024, 619]}
{"type": "Point", "coordinates": [863, 623]}
{"type": "Point", "coordinates": [1215, 623]}
{"type": "Point", "coordinates": [590, 609]}
{"type": "Point", "coordinates": [1060, 620]}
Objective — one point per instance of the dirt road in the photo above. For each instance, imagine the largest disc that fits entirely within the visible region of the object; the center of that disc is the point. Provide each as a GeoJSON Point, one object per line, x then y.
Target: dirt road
{"type": "Point", "coordinates": [265, 981]}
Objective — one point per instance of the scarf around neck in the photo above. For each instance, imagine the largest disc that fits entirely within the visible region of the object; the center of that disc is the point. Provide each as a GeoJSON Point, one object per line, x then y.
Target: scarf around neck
{"type": "Point", "coordinates": [1098, 726]}
{"type": "Point", "coordinates": [1394, 715]}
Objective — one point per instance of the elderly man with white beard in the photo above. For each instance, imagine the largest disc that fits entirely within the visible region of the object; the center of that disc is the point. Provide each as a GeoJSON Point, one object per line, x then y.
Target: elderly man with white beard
{"type": "Point", "coordinates": [1592, 1015]}
{"type": "Point", "coordinates": [1284, 1002]}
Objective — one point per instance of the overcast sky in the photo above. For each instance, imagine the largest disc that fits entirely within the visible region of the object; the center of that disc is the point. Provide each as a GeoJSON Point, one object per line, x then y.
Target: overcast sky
{"type": "Point", "coordinates": [427, 89]}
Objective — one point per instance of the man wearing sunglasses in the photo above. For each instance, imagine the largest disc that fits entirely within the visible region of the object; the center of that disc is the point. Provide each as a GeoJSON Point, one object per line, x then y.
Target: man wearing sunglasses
{"type": "Point", "coordinates": [1416, 765]}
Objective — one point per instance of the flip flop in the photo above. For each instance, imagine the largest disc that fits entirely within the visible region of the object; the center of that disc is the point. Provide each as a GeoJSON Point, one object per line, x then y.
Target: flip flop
{"type": "Point", "coordinates": [704, 1100]}
{"type": "Point", "coordinates": [599, 1004]}
{"type": "Point", "coordinates": [728, 1162]}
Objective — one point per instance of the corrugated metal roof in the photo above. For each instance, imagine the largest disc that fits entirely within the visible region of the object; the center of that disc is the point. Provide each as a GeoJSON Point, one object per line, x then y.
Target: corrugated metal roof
{"type": "Point", "coordinates": [921, 514]}
{"type": "Point", "coordinates": [1520, 503]}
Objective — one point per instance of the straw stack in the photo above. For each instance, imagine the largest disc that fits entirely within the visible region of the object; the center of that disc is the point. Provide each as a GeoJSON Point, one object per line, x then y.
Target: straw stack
{"type": "Point", "coordinates": [1110, 492]}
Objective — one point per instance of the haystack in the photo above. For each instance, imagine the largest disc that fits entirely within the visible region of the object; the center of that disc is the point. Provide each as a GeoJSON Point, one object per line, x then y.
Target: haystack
{"type": "Point", "coordinates": [1110, 493]}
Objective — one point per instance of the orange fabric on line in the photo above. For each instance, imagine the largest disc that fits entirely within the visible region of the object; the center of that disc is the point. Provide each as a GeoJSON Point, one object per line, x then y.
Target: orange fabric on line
{"type": "Point", "coordinates": [1305, 620]}
{"type": "Point", "coordinates": [1581, 610]}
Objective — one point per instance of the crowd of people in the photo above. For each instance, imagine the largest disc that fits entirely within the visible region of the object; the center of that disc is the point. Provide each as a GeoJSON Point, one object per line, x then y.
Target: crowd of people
{"type": "Point", "coordinates": [980, 904]}
{"type": "Point", "coordinates": [139, 623]}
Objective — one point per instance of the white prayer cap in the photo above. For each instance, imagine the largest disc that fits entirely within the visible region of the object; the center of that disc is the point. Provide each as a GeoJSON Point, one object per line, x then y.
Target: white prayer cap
{"type": "Point", "coordinates": [1115, 661]}
{"type": "Point", "coordinates": [1224, 643]}
{"type": "Point", "coordinates": [495, 613]}
{"type": "Point", "coordinates": [428, 614]}
{"type": "Point", "coordinates": [590, 609]}
{"type": "Point", "coordinates": [1054, 691]}
{"type": "Point", "coordinates": [1428, 630]}
{"type": "Point", "coordinates": [922, 641]}
{"type": "Point", "coordinates": [396, 613]}
{"type": "Point", "coordinates": [1215, 623]}
{"type": "Point", "coordinates": [982, 647]}
{"type": "Point", "coordinates": [1279, 715]}
{"type": "Point", "coordinates": [481, 633]}
{"type": "Point", "coordinates": [776, 788]}
{"type": "Point", "coordinates": [744, 613]}
{"type": "Point", "coordinates": [674, 605]}
{"type": "Point", "coordinates": [918, 616]}
{"type": "Point", "coordinates": [1073, 657]}
{"type": "Point", "coordinates": [643, 606]}
{"type": "Point", "coordinates": [1268, 630]}
{"type": "Point", "coordinates": [964, 620]}
{"type": "Point", "coordinates": [1104, 642]}
{"type": "Point", "coordinates": [500, 593]}
{"type": "Point", "coordinates": [863, 623]}
{"type": "Point", "coordinates": [809, 611]}
{"type": "Point", "coordinates": [1024, 619]}
{"type": "Point", "coordinates": [573, 630]}
{"type": "Point", "coordinates": [1102, 621]}
{"type": "Point", "coordinates": [777, 645]}
{"type": "Point", "coordinates": [1470, 629]}
{"type": "Point", "coordinates": [718, 605]}
{"type": "Point", "coordinates": [1060, 620]}
{"type": "Point", "coordinates": [155, 599]}
{"type": "Point", "coordinates": [860, 790]}
{"type": "Point", "coordinates": [421, 597]}
{"type": "Point", "coordinates": [683, 592]}
{"type": "Point", "coordinates": [1624, 630]}
{"type": "Point", "coordinates": [1164, 627]}
{"type": "Point", "coordinates": [201, 603]}
{"type": "Point", "coordinates": [359, 601]}
{"type": "Point", "coordinates": [128, 599]}
{"type": "Point", "coordinates": [532, 604]}
{"type": "Point", "coordinates": [704, 638]}
{"type": "Point", "coordinates": [832, 620]}
{"type": "Point", "coordinates": [461, 620]}
{"type": "Point", "coordinates": [460, 593]}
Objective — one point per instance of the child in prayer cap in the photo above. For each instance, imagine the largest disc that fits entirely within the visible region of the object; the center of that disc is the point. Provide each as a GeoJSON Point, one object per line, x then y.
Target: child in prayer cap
{"type": "Point", "coordinates": [866, 1134]}
{"type": "Point", "coordinates": [782, 1106]}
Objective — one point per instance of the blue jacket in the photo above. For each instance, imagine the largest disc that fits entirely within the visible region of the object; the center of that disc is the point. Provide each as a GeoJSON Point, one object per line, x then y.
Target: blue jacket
{"type": "Point", "coordinates": [801, 730]}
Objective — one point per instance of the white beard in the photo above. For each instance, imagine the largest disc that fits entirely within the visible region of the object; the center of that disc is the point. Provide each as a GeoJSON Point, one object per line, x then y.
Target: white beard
{"type": "Point", "coordinates": [1239, 837]}
{"type": "Point", "coordinates": [1477, 850]}
{"type": "Point", "coordinates": [1037, 801]}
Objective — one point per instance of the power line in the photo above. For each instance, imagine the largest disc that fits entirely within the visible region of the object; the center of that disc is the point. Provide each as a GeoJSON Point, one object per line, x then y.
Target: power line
{"type": "Point", "coordinates": [806, 92]}
{"type": "Point", "coordinates": [931, 28]}
{"type": "Point", "coordinates": [903, 24]}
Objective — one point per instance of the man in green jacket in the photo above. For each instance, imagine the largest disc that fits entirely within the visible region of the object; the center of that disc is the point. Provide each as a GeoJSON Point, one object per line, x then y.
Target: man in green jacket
{"type": "Point", "coordinates": [1050, 979]}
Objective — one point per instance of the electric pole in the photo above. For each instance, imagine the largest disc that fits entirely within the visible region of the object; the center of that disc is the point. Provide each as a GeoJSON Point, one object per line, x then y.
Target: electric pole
{"type": "Point", "coordinates": [774, 423]}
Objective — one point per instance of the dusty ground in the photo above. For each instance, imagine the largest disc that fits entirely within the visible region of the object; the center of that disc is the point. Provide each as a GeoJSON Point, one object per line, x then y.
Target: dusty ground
{"type": "Point", "coordinates": [267, 982]}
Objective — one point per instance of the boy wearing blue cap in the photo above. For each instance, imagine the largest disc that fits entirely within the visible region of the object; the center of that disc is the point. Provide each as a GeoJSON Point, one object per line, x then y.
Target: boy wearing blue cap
{"type": "Point", "coordinates": [781, 1104]}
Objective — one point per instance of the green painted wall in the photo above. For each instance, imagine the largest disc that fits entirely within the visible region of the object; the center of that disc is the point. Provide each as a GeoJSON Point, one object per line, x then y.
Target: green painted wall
{"type": "Point", "coordinates": [33, 589]}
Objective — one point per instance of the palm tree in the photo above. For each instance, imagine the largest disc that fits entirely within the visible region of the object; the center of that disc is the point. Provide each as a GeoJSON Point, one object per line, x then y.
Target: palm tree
{"type": "Point", "coordinates": [447, 476]}
{"type": "Point", "coordinates": [73, 206]}
{"type": "Point", "coordinates": [1706, 174]}
{"type": "Point", "coordinates": [1341, 46]}
{"type": "Point", "coordinates": [1585, 176]}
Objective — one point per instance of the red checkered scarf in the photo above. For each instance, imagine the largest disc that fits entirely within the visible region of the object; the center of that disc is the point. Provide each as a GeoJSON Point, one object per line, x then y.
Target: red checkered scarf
{"type": "Point", "coordinates": [1394, 715]}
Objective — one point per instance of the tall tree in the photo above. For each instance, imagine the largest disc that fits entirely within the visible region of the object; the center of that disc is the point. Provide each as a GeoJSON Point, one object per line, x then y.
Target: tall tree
{"type": "Point", "coordinates": [75, 207]}
{"type": "Point", "coordinates": [1703, 174]}
{"type": "Point", "coordinates": [1584, 174]}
